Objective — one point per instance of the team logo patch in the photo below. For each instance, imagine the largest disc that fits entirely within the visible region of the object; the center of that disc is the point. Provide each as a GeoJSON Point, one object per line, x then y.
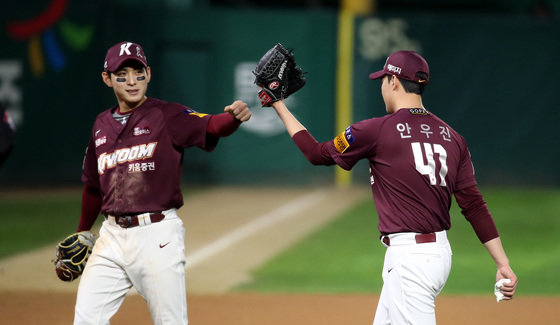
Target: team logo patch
{"type": "Point", "coordinates": [343, 141]}
{"type": "Point", "coordinates": [141, 131]}
{"type": "Point", "coordinates": [192, 112]}
{"type": "Point", "coordinates": [100, 141]}
{"type": "Point", "coordinates": [348, 135]}
{"type": "Point", "coordinates": [273, 85]}
{"type": "Point", "coordinates": [393, 68]}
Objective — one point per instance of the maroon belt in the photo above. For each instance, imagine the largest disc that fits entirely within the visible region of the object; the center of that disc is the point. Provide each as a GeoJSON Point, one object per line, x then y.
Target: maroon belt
{"type": "Point", "coordinates": [420, 239]}
{"type": "Point", "coordinates": [132, 221]}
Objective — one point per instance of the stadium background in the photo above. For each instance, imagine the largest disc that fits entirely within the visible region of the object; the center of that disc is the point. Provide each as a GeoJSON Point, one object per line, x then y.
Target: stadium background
{"type": "Point", "coordinates": [494, 76]}
{"type": "Point", "coordinates": [493, 64]}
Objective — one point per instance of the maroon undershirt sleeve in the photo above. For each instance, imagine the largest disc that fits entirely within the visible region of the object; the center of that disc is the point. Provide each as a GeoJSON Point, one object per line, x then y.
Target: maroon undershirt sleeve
{"type": "Point", "coordinates": [475, 210]}
{"type": "Point", "coordinates": [91, 206]}
{"type": "Point", "coordinates": [222, 125]}
{"type": "Point", "coordinates": [317, 153]}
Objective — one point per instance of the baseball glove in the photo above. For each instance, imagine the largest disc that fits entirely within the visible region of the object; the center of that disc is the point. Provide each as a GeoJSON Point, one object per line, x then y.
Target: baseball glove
{"type": "Point", "coordinates": [72, 254]}
{"type": "Point", "coordinates": [278, 75]}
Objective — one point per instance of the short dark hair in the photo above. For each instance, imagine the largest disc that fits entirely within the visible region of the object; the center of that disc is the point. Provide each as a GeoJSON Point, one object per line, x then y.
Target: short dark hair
{"type": "Point", "coordinates": [414, 87]}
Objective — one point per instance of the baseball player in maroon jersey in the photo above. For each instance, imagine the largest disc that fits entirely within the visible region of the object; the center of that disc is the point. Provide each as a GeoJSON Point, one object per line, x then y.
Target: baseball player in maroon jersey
{"type": "Point", "coordinates": [132, 173]}
{"type": "Point", "coordinates": [417, 162]}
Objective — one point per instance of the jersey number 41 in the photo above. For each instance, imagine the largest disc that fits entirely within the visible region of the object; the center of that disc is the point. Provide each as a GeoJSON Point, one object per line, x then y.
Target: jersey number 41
{"type": "Point", "coordinates": [429, 168]}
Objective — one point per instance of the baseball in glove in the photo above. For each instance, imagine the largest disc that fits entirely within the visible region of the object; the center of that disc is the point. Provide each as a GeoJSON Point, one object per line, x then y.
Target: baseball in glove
{"type": "Point", "coordinates": [72, 254]}
{"type": "Point", "coordinates": [278, 75]}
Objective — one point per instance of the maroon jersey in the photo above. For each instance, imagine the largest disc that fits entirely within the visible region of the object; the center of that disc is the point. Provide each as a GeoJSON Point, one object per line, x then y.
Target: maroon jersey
{"type": "Point", "coordinates": [137, 166]}
{"type": "Point", "coordinates": [416, 162]}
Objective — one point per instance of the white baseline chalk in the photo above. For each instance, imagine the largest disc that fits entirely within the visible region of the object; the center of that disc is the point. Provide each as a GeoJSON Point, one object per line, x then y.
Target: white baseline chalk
{"type": "Point", "coordinates": [266, 220]}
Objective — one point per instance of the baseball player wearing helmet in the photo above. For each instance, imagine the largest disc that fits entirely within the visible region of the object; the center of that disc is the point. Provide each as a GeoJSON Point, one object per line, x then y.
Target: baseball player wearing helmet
{"type": "Point", "coordinates": [417, 162]}
{"type": "Point", "coordinates": [132, 173]}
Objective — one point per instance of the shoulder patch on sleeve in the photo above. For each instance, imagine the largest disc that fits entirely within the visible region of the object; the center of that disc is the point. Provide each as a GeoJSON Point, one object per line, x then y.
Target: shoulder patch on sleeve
{"type": "Point", "coordinates": [343, 141]}
{"type": "Point", "coordinates": [191, 112]}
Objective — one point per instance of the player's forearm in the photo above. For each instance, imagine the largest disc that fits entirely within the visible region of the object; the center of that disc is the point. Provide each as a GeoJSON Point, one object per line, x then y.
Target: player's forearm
{"type": "Point", "coordinates": [292, 125]}
{"type": "Point", "coordinates": [91, 206]}
{"type": "Point", "coordinates": [475, 209]}
{"type": "Point", "coordinates": [496, 250]}
{"type": "Point", "coordinates": [222, 125]}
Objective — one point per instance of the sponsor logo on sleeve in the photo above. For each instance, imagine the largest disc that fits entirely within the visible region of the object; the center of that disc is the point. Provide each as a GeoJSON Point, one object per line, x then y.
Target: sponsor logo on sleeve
{"type": "Point", "coordinates": [192, 112]}
{"type": "Point", "coordinates": [343, 141]}
{"type": "Point", "coordinates": [100, 141]}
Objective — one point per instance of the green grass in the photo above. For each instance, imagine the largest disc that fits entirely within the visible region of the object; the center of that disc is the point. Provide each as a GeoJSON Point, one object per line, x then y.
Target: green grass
{"type": "Point", "coordinates": [529, 225]}
{"type": "Point", "coordinates": [341, 257]}
{"type": "Point", "coordinates": [34, 219]}
{"type": "Point", "coordinates": [346, 256]}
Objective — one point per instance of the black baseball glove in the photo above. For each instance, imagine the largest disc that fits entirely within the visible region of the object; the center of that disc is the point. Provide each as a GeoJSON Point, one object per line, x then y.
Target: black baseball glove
{"type": "Point", "coordinates": [278, 75]}
{"type": "Point", "coordinates": [72, 255]}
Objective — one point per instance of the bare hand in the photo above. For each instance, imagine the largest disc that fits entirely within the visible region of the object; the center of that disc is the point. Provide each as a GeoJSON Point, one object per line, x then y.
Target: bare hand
{"type": "Point", "coordinates": [239, 110]}
{"type": "Point", "coordinates": [508, 289]}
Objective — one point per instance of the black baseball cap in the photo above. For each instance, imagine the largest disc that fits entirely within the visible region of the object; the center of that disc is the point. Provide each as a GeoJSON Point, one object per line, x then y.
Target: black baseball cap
{"type": "Point", "coordinates": [404, 64]}
{"type": "Point", "coordinates": [121, 52]}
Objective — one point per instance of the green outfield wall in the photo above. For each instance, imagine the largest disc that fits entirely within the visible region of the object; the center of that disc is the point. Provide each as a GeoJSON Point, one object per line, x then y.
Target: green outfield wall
{"type": "Point", "coordinates": [493, 79]}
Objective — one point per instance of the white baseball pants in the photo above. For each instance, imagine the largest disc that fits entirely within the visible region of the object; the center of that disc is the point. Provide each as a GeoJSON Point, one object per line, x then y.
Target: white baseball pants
{"type": "Point", "coordinates": [413, 275]}
{"type": "Point", "coordinates": [150, 257]}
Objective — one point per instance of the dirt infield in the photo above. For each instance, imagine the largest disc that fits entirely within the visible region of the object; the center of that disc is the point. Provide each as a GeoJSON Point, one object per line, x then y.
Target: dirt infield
{"type": "Point", "coordinates": [237, 229]}
{"type": "Point", "coordinates": [255, 309]}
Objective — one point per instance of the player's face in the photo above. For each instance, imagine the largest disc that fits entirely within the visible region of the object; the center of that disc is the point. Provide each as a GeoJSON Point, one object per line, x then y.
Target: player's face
{"type": "Point", "coordinates": [130, 84]}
